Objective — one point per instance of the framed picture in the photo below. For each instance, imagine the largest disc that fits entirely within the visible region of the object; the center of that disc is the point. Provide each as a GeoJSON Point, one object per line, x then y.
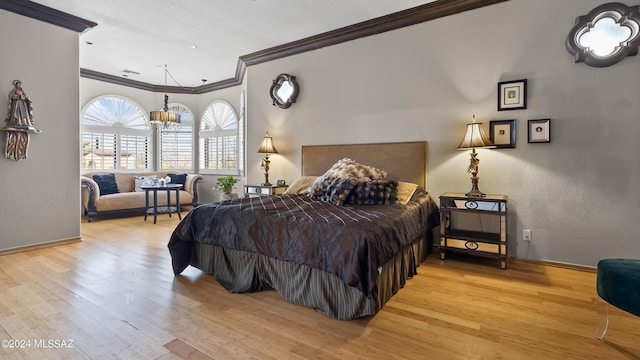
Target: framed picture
{"type": "Point", "coordinates": [539, 131]}
{"type": "Point", "coordinates": [503, 133]}
{"type": "Point", "coordinates": [512, 95]}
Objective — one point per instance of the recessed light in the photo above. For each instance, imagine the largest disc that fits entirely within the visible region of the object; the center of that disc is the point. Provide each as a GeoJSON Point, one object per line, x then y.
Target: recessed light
{"type": "Point", "coordinates": [193, 46]}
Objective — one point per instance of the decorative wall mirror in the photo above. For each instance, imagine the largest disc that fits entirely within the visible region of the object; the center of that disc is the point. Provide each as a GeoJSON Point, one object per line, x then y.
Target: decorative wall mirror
{"type": "Point", "coordinates": [284, 90]}
{"type": "Point", "coordinates": [606, 35]}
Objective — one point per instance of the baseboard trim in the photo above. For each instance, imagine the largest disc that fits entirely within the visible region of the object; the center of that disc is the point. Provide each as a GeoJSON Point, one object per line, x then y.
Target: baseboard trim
{"type": "Point", "coordinates": [40, 245]}
{"type": "Point", "coordinates": [557, 264]}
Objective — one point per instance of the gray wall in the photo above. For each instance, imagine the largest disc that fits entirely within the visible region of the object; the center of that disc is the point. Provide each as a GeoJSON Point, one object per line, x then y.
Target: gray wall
{"type": "Point", "coordinates": [424, 82]}
{"type": "Point", "coordinates": [418, 83]}
{"type": "Point", "coordinates": [40, 195]}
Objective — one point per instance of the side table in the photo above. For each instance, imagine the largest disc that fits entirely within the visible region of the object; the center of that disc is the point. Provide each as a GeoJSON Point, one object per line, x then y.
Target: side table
{"type": "Point", "coordinates": [161, 209]}
{"type": "Point", "coordinates": [485, 231]}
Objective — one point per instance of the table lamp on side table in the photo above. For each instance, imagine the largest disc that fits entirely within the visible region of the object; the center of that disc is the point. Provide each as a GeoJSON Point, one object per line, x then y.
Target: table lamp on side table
{"type": "Point", "coordinates": [266, 147]}
{"type": "Point", "coordinates": [475, 137]}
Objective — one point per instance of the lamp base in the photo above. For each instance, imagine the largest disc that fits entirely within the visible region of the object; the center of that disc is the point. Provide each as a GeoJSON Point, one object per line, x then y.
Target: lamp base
{"type": "Point", "coordinates": [265, 167]}
{"type": "Point", "coordinates": [475, 192]}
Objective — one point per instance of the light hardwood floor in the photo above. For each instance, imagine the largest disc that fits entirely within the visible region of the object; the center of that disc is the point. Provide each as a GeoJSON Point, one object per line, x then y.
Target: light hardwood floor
{"type": "Point", "coordinates": [114, 296]}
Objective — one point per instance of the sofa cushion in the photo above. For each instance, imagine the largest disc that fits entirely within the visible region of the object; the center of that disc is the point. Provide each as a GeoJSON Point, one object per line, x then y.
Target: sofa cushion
{"type": "Point", "coordinates": [178, 179]}
{"type": "Point", "coordinates": [107, 184]}
{"type": "Point", "coordinates": [136, 200]}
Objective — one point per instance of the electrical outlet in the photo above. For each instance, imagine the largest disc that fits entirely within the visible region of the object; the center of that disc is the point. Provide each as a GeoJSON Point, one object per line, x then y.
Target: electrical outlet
{"type": "Point", "coordinates": [526, 235]}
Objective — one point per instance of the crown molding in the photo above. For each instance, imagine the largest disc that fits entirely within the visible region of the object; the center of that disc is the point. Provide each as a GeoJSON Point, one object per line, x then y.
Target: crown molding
{"type": "Point", "coordinates": [118, 80]}
{"type": "Point", "coordinates": [397, 20]}
{"type": "Point", "coordinates": [47, 14]}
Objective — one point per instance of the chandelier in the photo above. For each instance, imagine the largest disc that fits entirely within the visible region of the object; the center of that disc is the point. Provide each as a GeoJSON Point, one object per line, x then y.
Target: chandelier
{"type": "Point", "coordinates": [165, 118]}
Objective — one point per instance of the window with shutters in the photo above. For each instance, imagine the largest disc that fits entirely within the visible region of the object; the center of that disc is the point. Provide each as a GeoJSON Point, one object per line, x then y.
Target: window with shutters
{"type": "Point", "coordinates": [116, 135]}
{"type": "Point", "coordinates": [176, 142]}
{"type": "Point", "coordinates": [219, 141]}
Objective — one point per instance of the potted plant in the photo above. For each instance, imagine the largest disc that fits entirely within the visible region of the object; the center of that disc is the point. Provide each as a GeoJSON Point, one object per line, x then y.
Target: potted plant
{"type": "Point", "coordinates": [226, 184]}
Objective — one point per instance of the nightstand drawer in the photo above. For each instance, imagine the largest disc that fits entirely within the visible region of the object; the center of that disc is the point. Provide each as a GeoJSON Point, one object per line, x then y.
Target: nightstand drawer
{"type": "Point", "coordinates": [261, 190]}
{"type": "Point", "coordinates": [258, 190]}
{"type": "Point", "coordinates": [473, 246]}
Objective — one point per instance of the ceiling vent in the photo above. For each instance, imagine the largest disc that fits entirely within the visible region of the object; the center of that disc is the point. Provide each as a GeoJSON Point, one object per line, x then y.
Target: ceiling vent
{"type": "Point", "coordinates": [130, 72]}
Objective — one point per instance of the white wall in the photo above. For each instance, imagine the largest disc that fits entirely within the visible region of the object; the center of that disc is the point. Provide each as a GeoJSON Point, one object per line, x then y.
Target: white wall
{"type": "Point", "coordinates": [577, 193]}
{"type": "Point", "coordinates": [40, 195]}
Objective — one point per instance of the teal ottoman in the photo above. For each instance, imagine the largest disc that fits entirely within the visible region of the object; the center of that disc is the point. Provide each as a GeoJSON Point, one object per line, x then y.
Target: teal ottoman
{"type": "Point", "coordinates": [618, 283]}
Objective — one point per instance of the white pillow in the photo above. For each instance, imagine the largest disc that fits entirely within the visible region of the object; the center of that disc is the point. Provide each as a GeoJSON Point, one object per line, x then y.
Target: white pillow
{"type": "Point", "coordinates": [301, 185]}
{"type": "Point", "coordinates": [143, 180]}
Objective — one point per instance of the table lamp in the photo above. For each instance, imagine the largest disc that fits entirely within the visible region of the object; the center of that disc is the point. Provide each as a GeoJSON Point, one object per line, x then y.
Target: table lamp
{"type": "Point", "coordinates": [475, 137]}
{"type": "Point", "coordinates": [266, 148]}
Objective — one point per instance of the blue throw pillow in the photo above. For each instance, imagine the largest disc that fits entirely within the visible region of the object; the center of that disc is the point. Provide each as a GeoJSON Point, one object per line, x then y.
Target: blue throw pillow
{"type": "Point", "coordinates": [107, 184]}
{"type": "Point", "coordinates": [178, 179]}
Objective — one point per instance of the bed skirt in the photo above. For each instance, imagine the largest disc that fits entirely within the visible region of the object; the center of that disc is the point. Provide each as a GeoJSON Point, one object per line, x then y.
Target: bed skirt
{"type": "Point", "coordinates": [241, 272]}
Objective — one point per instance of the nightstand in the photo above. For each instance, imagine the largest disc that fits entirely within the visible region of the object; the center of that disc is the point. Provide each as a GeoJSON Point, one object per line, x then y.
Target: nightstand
{"type": "Point", "coordinates": [474, 225]}
{"type": "Point", "coordinates": [262, 190]}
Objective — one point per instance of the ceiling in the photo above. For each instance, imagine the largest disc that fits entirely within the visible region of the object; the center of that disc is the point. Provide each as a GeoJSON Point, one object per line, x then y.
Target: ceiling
{"type": "Point", "coordinates": [201, 41]}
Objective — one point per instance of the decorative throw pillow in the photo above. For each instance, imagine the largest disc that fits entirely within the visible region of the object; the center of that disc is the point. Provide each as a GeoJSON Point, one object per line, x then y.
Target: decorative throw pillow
{"type": "Point", "coordinates": [107, 184]}
{"type": "Point", "coordinates": [301, 185]}
{"type": "Point", "coordinates": [178, 179]}
{"type": "Point", "coordinates": [333, 190]}
{"type": "Point", "coordinates": [405, 191]}
{"type": "Point", "coordinates": [347, 168]}
{"type": "Point", "coordinates": [374, 192]}
{"type": "Point", "coordinates": [337, 183]}
{"type": "Point", "coordinates": [143, 180]}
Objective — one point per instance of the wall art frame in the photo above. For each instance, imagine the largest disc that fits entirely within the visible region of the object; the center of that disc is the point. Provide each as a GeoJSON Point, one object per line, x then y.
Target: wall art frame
{"type": "Point", "coordinates": [503, 133]}
{"type": "Point", "coordinates": [539, 131]}
{"type": "Point", "coordinates": [512, 95]}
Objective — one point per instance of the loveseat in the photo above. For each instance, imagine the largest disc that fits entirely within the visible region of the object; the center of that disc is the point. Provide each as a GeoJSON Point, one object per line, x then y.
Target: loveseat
{"type": "Point", "coordinates": [121, 192]}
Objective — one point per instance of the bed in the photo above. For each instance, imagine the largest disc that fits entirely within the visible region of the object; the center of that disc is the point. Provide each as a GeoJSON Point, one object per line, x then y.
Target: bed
{"type": "Point", "coordinates": [345, 261]}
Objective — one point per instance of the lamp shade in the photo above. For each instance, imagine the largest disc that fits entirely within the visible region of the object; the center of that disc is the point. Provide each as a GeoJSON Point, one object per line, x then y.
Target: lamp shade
{"type": "Point", "coordinates": [475, 137]}
{"type": "Point", "coordinates": [164, 118]}
{"type": "Point", "coordinates": [267, 147]}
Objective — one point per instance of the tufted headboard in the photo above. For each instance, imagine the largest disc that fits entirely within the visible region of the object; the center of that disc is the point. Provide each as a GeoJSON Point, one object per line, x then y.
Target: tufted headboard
{"type": "Point", "coordinates": [403, 161]}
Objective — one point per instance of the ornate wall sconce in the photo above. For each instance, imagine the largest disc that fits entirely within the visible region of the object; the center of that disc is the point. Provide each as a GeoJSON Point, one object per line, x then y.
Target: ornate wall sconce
{"type": "Point", "coordinates": [284, 91]}
{"type": "Point", "coordinates": [606, 35]}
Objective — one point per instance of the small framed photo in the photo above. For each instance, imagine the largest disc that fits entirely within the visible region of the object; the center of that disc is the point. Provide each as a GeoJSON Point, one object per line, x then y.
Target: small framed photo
{"type": "Point", "coordinates": [512, 95]}
{"type": "Point", "coordinates": [503, 133]}
{"type": "Point", "coordinates": [539, 131]}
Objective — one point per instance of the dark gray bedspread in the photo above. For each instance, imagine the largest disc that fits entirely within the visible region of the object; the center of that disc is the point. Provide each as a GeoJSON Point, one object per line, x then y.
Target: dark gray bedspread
{"type": "Point", "coordinates": [349, 241]}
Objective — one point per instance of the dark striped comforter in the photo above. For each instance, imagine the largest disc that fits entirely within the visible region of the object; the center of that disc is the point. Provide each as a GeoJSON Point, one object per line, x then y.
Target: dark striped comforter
{"type": "Point", "coordinates": [350, 241]}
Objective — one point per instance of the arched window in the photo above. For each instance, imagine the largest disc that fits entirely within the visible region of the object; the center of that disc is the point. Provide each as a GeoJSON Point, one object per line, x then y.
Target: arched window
{"type": "Point", "coordinates": [219, 139]}
{"type": "Point", "coordinates": [115, 135]}
{"type": "Point", "coordinates": [176, 143]}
